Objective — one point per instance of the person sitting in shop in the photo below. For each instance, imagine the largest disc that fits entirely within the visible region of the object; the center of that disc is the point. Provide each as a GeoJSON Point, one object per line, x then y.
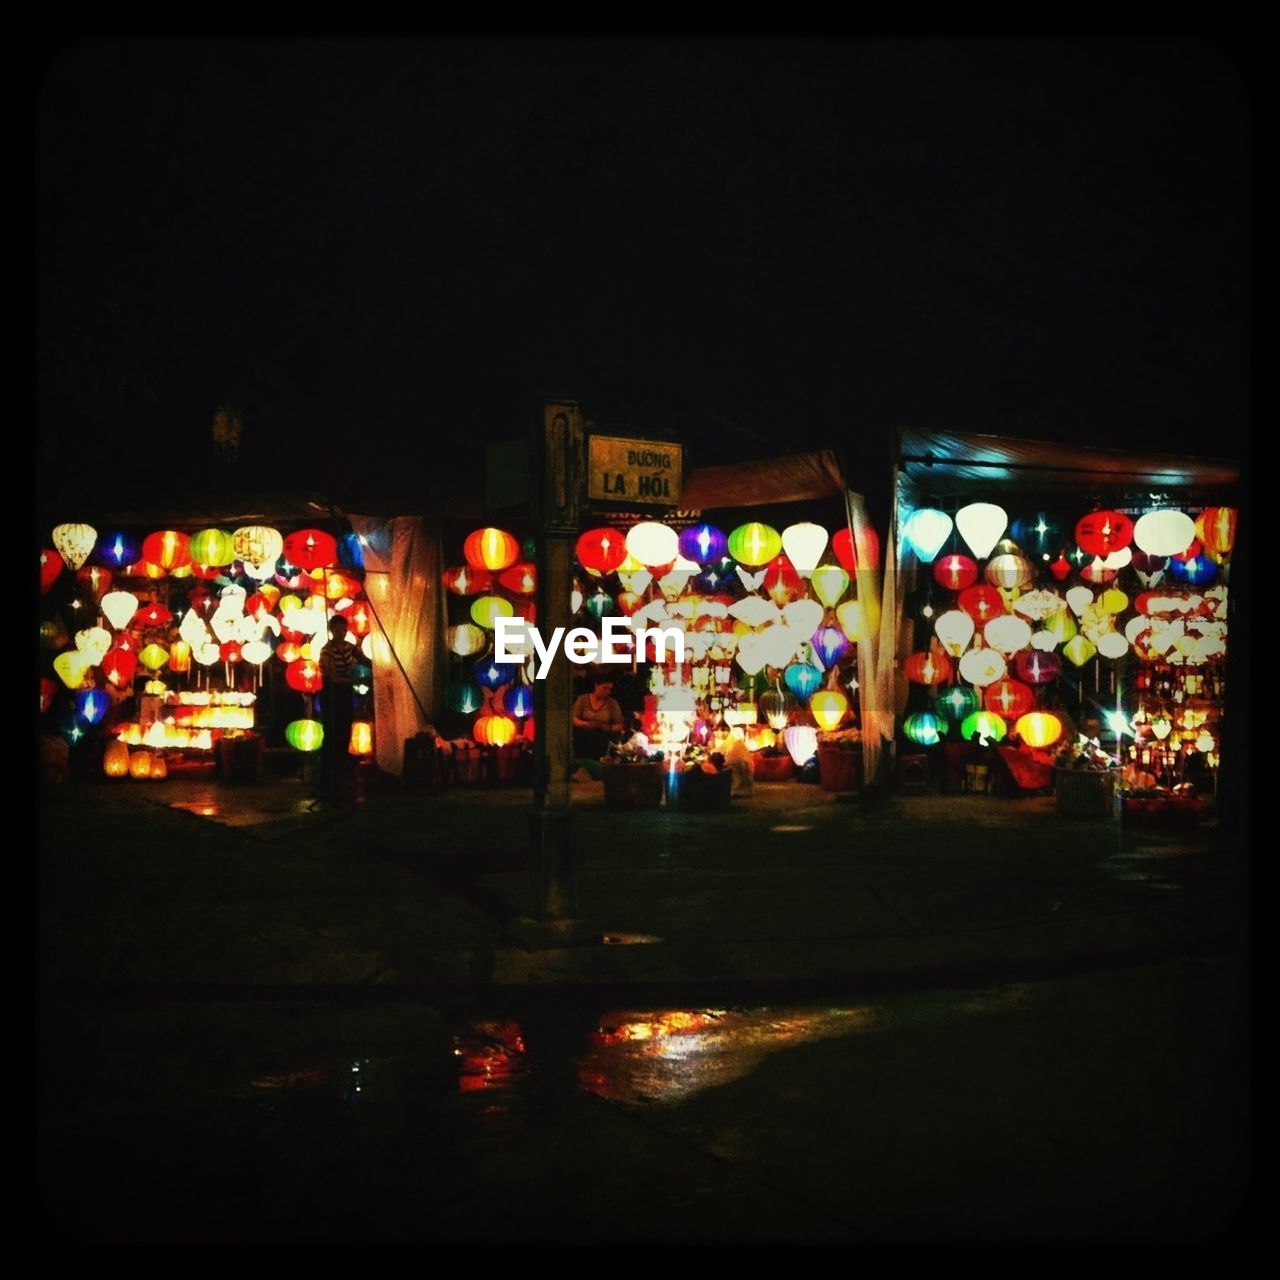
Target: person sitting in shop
{"type": "Point", "coordinates": [597, 721]}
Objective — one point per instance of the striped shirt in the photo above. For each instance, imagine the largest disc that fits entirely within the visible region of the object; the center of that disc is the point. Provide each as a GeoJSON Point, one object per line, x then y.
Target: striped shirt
{"type": "Point", "coordinates": [338, 659]}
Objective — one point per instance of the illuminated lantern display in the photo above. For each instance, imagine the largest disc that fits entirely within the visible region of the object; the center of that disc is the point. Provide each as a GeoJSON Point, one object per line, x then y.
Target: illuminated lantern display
{"type": "Point", "coordinates": [981, 525]}
{"type": "Point", "coordinates": [1036, 667]}
{"type": "Point", "coordinates": [928, 668]}
{"type": "Point", "coordinates": [152, 615]}
{"type": "Point", "coordinates": [1061, 568]}
{"type": "Point", "coordinates": [802, 679]}
{"type": "Point", "coordinates": [465, 639]}
{"type": "Point", "coordinates": [140, 764]}
{"type": "Point", "coordinates": [628, 602]}
{"type": "Point", "coordinates": [927, 530]}
{"type": "Point", "coordinates": [361, 743]}
{"type": "Point", "coordinates": [981, 603]}
{"type": "Point", "coordinates": [1198, 571]}
{"type": "Point", "coordinates": [956, 703]}
{"type": "Point", "coordinates": [828, 707]}
{"type": "Point", "coordinates": [51, 567]}
{"type": "Point", "coordinates": [92, 705]}
{"type": "Point", "coordinates": [1039, 729]}
{"type": "Point", "coordinates": [304, 676]}
{"type": "Point", "coordinates": [924, 728]}
{"type": "Point", "coordinates": [1216, 528]}
{"type": "Point", "coordinates": [118, 549]}
{"type": "Point", "coordinates": [781, 582]}
{"type": "Point", "coordinates": [1062, 627]}
{"type": "Point", "coordinates": [94, 579]}
{"type": "Point", "coordinates": [359, 620]}
{"type": "Point", "coordinates": [153, 656]}
{"type": "Point", "coordinates": [849, 615]}
{"type": "Point", "coordinates": [603, 551]}
{"type": "Point", "coordinates": [777, 707]}
{"type": "Point", "coordinates": [119, 667]}
{"type": "Point", "coordinates": [801, 742]}
{"type": "Point", "coordinates": [1078, 650]}
{"type": "Point", "coordinates": [830, 582]}
{"type": "Point", "coordinates": [1097, 572]}
{"type": "Point", "coordinates": [985, 725]}
{"type": "Point", "coordinates": [159, 767]}
{"type": "Point", "coordinates": [167, 550]}
{"type": "Point", "coordinates": [74, 542]}
{"type": "Point", "coordinates": [338, 586]}
{"type": "Point", "coordinates": [1165, 532]}
{"type": "Point", "coordinates": [1008, 568]}
{"type": "Point", "coordinates": [1008, 634]}
{"type": "Point", "coordinates": [1102, 532]}
{"type": "Point", "coordinates": [492, 549]}
{"type": "Point", "coordinates": [494, 731]}
{"type": "Point", "coordinates": [954, 630]}
{"type": "Point", "coordinates": [214, 547]}
{"type": "Point", "coordinates": [982, 667]}
{"type": "Point", "coordinates": [704, 544]}
{"type": "Point", "coordinates": [93, 642]}
{"type": "Point", "coordinates": [654, 545]}
{"type": "Point", "coordinates": [518, 701]}
{"type": "Point", "coordinates": [115, 760]}
{"type": "Point", "coordinates": [1111, 644]}
{"type": "Point", "coordinates": [256, 544]}
{"type": "Point", "coordinates": [465, 697]}
{"type": "Point", "coordinates": [717, 576]}
{"type": "Point", "coordinates": [754, 544]}
{"type": "Point", "coordinates": [311, 549]}
{"type": "Point", "coordinates": [487, 608]}
{"type": "Point", "coordinates": [304, 735]}
{"type": "Point", "coordinates": [255, 651]}
{"type": "Point", "coordinates": [955, 572]}
{"type": "Point", "coordinates": [1009, 698]}
{"type": "Point", "coordinates": [493, 675]}
{"type": "Point", "coordinates": [520, 579]}
{"type": "Point", "coordinates": [1038, 535]}
{"type": "Point", "coordinates": [830, 644]}
{"type": "Point", "coordinates": [804, 544]}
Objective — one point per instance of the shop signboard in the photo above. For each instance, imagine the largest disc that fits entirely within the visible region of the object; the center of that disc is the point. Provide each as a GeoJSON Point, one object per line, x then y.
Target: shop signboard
{"type": "Point", "coordinates": [634, 471]}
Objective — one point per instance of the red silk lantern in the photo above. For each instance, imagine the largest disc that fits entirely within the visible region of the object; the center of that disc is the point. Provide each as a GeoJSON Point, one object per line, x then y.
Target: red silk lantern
{"type": "Point", "coordinates": [205, 572]}
{"type": "Point", "coordinates": [1191, 552]}
{"type": "Point", "coordinates": [520, 579]}
{"type": "Point", "coordinates": [51, 565]}
{"type": "Point", "coordinates": [601, 550]}
{"type": "Point", "coordinates": [1061, 568]}
{"type": "Point", "coordinates": [304, 676]}
{"type": "Point", "coordinates": [1216, 528]}
{"type": "Point", "coordinates": [982, 603]}
{"type": "Point", "coordinates": [955, 572]}
{"type": "Point", "coordinates": [230, 651]}
{"type": "Point", "coordinates": [152, 615]}
{"type": "Point", "coordinates": [491, 549]}
{"type": "Point", "coordinates": [467, 580]}
{"type": "Point", "coordinates": [338, 586]}
{"type": "Point", "coordinates": [289, 651]}
{"type": "Point", "coordinates": [119, 666]}
{"type": "Point", "coordinates": [928, 668]}
{"type": "Point", "coordinates": [846, 553]}
{"type": "Point", "coordinates": [311, 549]}
{"type": "Point", "coordinates": [95, 580]}
{"type": "Point", "coordinates": [1102, 532]}
{"type": "Point", "coordinates": [48, 688]}
{"type": "Point", "coordinates": [781, 582]}
{"type": "Point", "coordinates": [1009, 698]}
{"type": "Point", "coordinates": [1037, 666]}
{"type": "Point", "coordinates": [166, 550]}
{"type": "Point", "coordinates": [359, 619]}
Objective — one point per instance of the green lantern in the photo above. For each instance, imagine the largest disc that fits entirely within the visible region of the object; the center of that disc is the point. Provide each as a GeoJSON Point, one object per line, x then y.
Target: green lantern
{"type": "Point", "coordinates": [465, 697]}
{"type": "Point", "coordinates": [304, 735]}
{"type": "Point", "coordinates": [925, 728]}
{"type": "Point", "coordinates": [213, 547]}
{"type": "Point", "coordinates": [754, 544]}
{"type": "Point", "coordinates": [984, 724]}
{"type": "Point", "coordinates": [955, 704]}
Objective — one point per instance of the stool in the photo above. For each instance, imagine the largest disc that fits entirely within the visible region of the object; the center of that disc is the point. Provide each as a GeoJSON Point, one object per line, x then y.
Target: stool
{"type": "Point", "coordinates": [977, 778]}
{"type": "Point", "coordinates": [913, 774]}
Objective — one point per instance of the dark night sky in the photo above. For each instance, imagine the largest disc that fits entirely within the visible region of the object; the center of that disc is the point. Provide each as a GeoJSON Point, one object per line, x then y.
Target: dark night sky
{"type": "Point", "coordinates": [386, 251]}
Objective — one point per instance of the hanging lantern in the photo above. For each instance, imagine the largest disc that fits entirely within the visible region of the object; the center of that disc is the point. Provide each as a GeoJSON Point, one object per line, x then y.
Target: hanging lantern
{"type": "Point", "coordinates": [704, 544]}
{"type": "Point", "coordinates": [1204, 742]}
{"type": "Point", "coordinates": [361, 743]}
{"type": "Point", "coordinates": [494, 731]}
{"type": "Point", "coordinates": [781, 582]}
{"type": "Point", "coordinates": [214, 547]}
{"type": "Point", "coordinates": [628, 602]}
{"type": "Point", "coordinates": [119, 666]}
{"type": "Point", "coordinates": [654, 545]}
{"type": "Point", "coordinates": [310, 549]}
{"type": "Point", "coordinates": [1096, 572]}
{"type": "Point", "coordinates": [152, 615]}
{"type": "Point", "coordinates": [94, 579]}
{"type": "Point", "coordinates": [1036, 667]}
{"type": "Point", "coordinates": [51, 566]}
{"type": "Point", "coordinates": [1061, 568]}
{"type": "Point", "coordinates": [1113, 601]}
{"type": "Point", "coordinates": [981, 603]}
{"type": "Point", "coordinates": [230, 651]}
{"type": "Point", "coordinates": [804, 544]}
{"type": "Point", "coordinates": [518, 701]}
{"type": "Point", "coordinates": [117, 549]}
{"type": "Point", "coordinates": [927, 668]}
{"type": "Point", "coordinates": [924, 728]}
{"type": "Point", "coordinates": [981, 524]}
{"type": "Point", "coordinates": [48, 690]}
{"type": "Point", "coordinates": [601, 551]}
{"type": "Point", "coordinates": [256, 544]}
{"type": "Point", "coordinates": [1198, 571]}
{"type": "Point", "coordinates": [119, 607]}
{"type": "Point", "coordinates": [830, 644]}
{"type": "Point", "coordinates": [1039, 535]}
{"type": "Point", "coordinates": [74, 542]}
{"type": "Point", "coordinates": [1008, 698]}
{"type": "Point", "coordinates": [464, 697]}
{"type": "Point", "coordinates": [465, 580]}
{"type": "Point", "coordinates": [957, 702]}
{"type": "Point", "coordinates": [290, 575]}
{"type": "Point", "coordinates": [777, 707]}
{"type": "Point", "coordinates": [1008, 569]}
{"type": "Point", "coordinates": [1166, 532]}
{"type": "Point", "coordinates": [849, 615]}
{"type": "Point", "coordinates": [1216, 529]}
{"type": "Point", "coordinates": [255, 651]}
{"type": "Point", "coordinates": [802, 679]}
{"type": "Point", "coordinates": [954, 630]}
{"type": "Point", "coordinates": [1102, 532]}
{"type": "Point", "coordinates": [304, 676]}
{"type": "Point", "coordinates": [167, 550]}
{"type": "Point", "coordinates": [115, 760]}
{"type": "Point", "coordinates": [802, 743]}
{"type": "Point", "coordinates": [487, 608]}
{"type": "Point", "coordinates": [1007, 634]}
{"type": "Point", "coordinates": [304, 735]}
{"type": "Point", "coordinates": [1078, 650]}
{"type": "Point", "coordinates": [754, 544]}
{"type": "Point", "coordinates": [1039, 729]}
{"type": "Point", "coordinates": [752, 654]}
{"type": "Point", "coordinates": [804, 616]}
{"type": "Point", "coordinates": [53, 634]}
{"type": "Point", "coordinates": [718, 576]}
{"type": "Point", "coordinates": [982, 667]}
{"type": "Point", "coordinates": [339, 586]}
{"type": "Point", "coordinates": [493, 675]}
{"type": "Point", "coordinates": [520, 579]}
{"type": "Point", "coordinates": [830, 582]}
{"type": "Point", "coordinates": [1111, 644]}
{"type": "Point", "coordinates": [984, 725]}
{"type": "Point", "coordinates": [351, 551]}
{"type": "Point", "coordinates": [955, 572]}
{"type": "Point", "coordinates": [926, 530]}
{"type": "Point", "coordinates": [828, 707]}
{"type": "Point", "coordinates": [465, 639]}
{"type": "Point", "coordinates": [93, 642]}
{"type": "Point", "coordinates": [154, 656]}
{"type": "Point", "coordinates": [491, 549]}
{"type": "Point", "coordinates": [92, 705]}
{"type": "Point", "coordinates": [599, 603]}
{"type": "Point", "coordinates": [1058, 629]}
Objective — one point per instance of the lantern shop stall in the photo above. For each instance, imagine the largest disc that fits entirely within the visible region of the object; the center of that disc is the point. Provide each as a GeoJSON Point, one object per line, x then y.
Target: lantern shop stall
{"type": "Point", "coordinates": [174, 646]}
{"type": "Point", "coordinates": [1058, 611]}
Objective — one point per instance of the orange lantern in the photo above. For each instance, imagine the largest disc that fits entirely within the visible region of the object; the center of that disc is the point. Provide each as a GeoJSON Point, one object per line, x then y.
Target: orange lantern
{"type": "Point", "coordinates": [304, 676]}
{"type": "Point", "coordinates": [361, 738]}
{"type": "Point", "coordinates": [166, 551]}
{"type": "Point", "coordinates": [828, 707]}
{"type": "Point", "coordinates": [1009, 698]}
{"type": "Point", "coordinates": [1039, 729]}
{"type": "Point", "coordinates": [179, 657]}
{"type": "Point", "coordinates": [115, 760]}
{"type": "Point", "coordinates": [140, 764]}
{"type": "Point", "coordinates": [467, 580]}
{"type": "Point", "coordinates": [494, 731]}
{"type": "Point", "coordinates": [928, 668]}
{"type": "Point", "coordinates": [491, 549]}
{"type": "Point", "coordinates": [1216, 529]}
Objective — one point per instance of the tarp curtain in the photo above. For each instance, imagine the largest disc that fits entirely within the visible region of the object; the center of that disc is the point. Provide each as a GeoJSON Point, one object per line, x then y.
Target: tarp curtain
{"type": "Point", "coordinates": [402, 562]}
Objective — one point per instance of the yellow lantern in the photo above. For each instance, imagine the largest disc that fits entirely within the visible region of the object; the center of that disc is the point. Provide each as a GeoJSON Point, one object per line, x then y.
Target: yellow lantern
{"type": "Point", "coordinates": [754, 544]}
{"type": "Point", "coordinates": [1113, 600]}
{"type": "Point", "coordinates": [140, 764]}
{"type": "Point", "coordinates": [465, 639]}
{"type": "Point", "coordinates": [487, 608]}
{"type": "Point", "coordinates": [828, 707]}
{"type": "Point", "coordinates": [1039, 728]}
{"type": "Point", "coordinates": [71, 666]}
{"type": "Point", "coordinates": [849, 616]}
{"type": "Point", "coordinates": [829, 583]}
{"type": "Point", "coordinates": [361, 738]}
{"type": "Point", "coordinates": [154, 656]}
{"type": "Point", "coordinates": [1079, 649]}
{"type": "Point", "coordinates": [179, 657]}
{"type": "Point", "coordinates": [115, 760]}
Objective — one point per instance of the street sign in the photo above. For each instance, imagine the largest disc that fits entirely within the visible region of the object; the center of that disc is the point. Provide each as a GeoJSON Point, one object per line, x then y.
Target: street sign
{"type": "Point", "coordinates": [624, 469]}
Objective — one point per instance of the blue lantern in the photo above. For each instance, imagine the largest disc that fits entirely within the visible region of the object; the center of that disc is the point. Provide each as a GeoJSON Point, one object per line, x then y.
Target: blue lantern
{"type": "Point", "coordinates": [703, 543]}
{"type": "Point", "coordinates": [1039, 535]}
{"type": "Point", "coordinates": [463, 696]}
{"type": "Point", "coordinates": [493, 675]}
{"type": "Point", "coordinates": [1198, 571]}
{"type": "Point", "coordinates": [803, 680]}
{"type": "Point", "coordinates": [117, 549]}
{"type": "Point", "coordinates": [716, 577]}
{"type": "Point", "coordinates": [830, 644]}
{"type": "Point", "coordinates": [351, 551]}
{"type": "Point", "coordinates": [518, 701]}
{"type": "Point", "coordinates": [92, 705]}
